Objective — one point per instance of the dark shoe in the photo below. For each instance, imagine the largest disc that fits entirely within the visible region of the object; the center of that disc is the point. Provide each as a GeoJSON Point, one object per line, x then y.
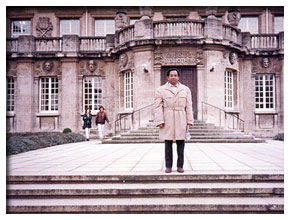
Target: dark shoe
{"type": "Point", "coordinates": [180, 170]}
{"type": "Point", "coordinates": [168, 170]}
{"type": "Point", "coordinates": [88, 139]}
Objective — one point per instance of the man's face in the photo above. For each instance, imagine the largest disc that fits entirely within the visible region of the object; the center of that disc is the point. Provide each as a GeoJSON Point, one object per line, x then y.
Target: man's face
{"type": "Point", "coordinates": [47, 66]}
{"type": "Point", "coordinates": [173, 77]}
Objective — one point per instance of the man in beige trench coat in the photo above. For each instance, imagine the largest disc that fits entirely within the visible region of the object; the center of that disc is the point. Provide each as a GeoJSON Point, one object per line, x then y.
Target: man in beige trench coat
{"type": "Point", "coordinates": [173, 112]}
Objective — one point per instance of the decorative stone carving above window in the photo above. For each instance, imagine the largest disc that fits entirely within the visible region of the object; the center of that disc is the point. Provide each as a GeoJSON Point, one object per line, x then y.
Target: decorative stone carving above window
{"type": "Point", "coordinates": [233, 57]}
{"type": "Point", "coordinates": [11, 69]}
{"type": "Point", "coordinates": [91, 68]}
{"type": "Point", "coordinates": [178, 56]}
{"type": "Point", "coordinates": [44, 27]}
{"type": "Point", "coordinates": [126, 61]}
{"type": "Point", "coordinates": [266, 65]}
{"type": "Point", "coordinates": [47, 68]}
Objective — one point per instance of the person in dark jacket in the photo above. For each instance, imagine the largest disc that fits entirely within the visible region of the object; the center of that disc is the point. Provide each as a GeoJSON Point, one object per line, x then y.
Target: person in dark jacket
{"type": "Point", "coordinates": [101, 118]}
{"type": "Point", "coordinates": [87, 118]}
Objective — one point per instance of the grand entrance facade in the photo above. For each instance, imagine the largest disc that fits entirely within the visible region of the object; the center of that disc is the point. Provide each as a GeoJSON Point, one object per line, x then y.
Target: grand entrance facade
{"type": "Point", "coordinates": [61, 60]}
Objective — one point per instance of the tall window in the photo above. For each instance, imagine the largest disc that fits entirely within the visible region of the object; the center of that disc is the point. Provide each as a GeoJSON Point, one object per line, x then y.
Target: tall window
{"type": "Point", "coordinates": [92, 92]}
{"type": "Point", "coordinates": [265, 91]}
{"type": "Point", "coordinates": [229, 89]}
{"type": "Point", "coordinates": [20, 27]}
{"type": "Point", "coordinates": [69, 26]}
{"type": "Point", "coordinates": [49, 94]}
{"type": "Point", "coordinates": [128, 90]}
{"type": "Point", "coordinates": [249, 24]}
{"type": "Point", "coordinates": [104, 27]}
{"type": "Point", "coordinates": [278, 24]}
{"type": "Point", "coordinates": [10, 94]}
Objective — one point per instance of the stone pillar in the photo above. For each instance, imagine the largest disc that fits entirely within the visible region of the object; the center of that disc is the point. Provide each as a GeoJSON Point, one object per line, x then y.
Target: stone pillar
{"type": "Point", "coordinates": [213, 26]}
{"type": "Point", "coordinates": [26, 44]}
{"type": "Point", "coordinates": [144, 29]}
{"type": "Point", "coordinates": [70, 44]}
{"type": "Point", "coordinates": [281, 40]}
{"type": "Point", "coordinates": [143, 80]}
{"type": "Point", "coordinates": [246, 39]}
{"type": "Point", "coordinates": [110, 41]}
{"type": "Point", "coordinates": [201, 91]}
{"type": "Point", "coordinates": [69, 100]}
{"type": "Point", "coordinates": [24, 97]}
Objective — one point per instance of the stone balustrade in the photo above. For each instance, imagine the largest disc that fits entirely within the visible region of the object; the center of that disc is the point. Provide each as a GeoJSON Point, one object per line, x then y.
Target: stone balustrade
{"type": "Point", "coordinates": [125, 35]}
{"type": "Point", "coordinates": [142, 30]}
{"type": "Point", "coordinates": [230, 33]}
{"type": "Point", "coordinates": [48, 44]}
{"type": "Point", "coordinates": [92, 43]}
{"type": "Point", "coordinates": [12, 45]}
{"type": "Point", "coordinates": [264, 41]}
{"type": "Point", "coordinates": [182, 28]}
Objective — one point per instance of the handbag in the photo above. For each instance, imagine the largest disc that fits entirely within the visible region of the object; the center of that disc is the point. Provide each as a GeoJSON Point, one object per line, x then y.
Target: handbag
{"type": "Point", "coordinates": [188, 136]}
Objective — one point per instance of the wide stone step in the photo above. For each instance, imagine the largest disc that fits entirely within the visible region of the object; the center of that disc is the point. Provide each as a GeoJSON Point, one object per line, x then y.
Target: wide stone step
{"type": "Point", "coordinates": [148, 205]}
{"type": "Point", "coordinates": [146, 178]}
{"type": "Point", "coordinates": [205, 140]}
{"type": "Point", "coordinates": [194, 137]}
{"type": "Point", "coordinates": [148, 189]}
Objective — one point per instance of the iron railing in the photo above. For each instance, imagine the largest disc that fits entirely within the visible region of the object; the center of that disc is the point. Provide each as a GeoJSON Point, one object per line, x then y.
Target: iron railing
{"type": "Point", "coordinates": [127, 121]}
{"type": "Point", "coordinates": [225, 119]}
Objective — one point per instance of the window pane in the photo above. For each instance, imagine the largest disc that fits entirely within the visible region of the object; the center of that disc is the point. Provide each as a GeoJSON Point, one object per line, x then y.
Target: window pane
{"type": "Point", "coordinates": [278, 24]}
{"type": "Point", "coordinates": [20, 27]}
{"type": "Point", "coordinates": [249, 24]}
{"type": "Point", "coordinates": [104, 27]}
{"type": "Point", "coordinates": [69, 26]}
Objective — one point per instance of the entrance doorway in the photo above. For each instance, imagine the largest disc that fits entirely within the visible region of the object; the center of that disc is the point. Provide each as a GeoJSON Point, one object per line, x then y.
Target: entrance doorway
{"type": "Point", "coordinates": [187, 77]}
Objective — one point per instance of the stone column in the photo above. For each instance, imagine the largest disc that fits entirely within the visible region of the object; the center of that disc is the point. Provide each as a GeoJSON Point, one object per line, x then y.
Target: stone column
{"type": "Point", "coordinates": [26, 44]}
{"type": "Point", "coordinates": [24, 94]}
{"type": "Point", "coordinates": [144, 80]}
{"type": "Point", "coordinates": [69, 100]}
{"type": "Point", "coordinates": [201, 91]}
{"type": "Point", "coordinates": [246, 39]}
{"type": "Point", "coordinates": [213, 26]}
{"type": "Point", "coordinates": [71, 44]}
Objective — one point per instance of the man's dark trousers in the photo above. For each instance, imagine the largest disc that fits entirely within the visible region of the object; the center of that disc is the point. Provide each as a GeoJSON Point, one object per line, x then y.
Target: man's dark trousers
{"type": "Point", "coordinates": [169, 155]}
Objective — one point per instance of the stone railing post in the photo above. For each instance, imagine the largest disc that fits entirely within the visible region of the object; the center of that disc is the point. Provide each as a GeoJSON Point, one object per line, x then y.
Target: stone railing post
{"type": "Point", "coordinates": [213, 27]}
{"type": "Point", "coordinates": [246, 39]}
{"type": "Point", "coordinates": [110, 41]}
{"type": "Point", "coordinates": [281, 40]}
{"type": "Point", "coordinates": [71, 43]}
{"type": "Point", "coordinates": [144, 29]}
{"type": "Point", "coordinates": [26, 44]}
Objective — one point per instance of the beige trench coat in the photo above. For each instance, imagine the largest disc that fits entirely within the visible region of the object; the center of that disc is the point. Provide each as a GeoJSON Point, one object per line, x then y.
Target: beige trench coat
{"type": "Point", "coordinates": [174, 110]}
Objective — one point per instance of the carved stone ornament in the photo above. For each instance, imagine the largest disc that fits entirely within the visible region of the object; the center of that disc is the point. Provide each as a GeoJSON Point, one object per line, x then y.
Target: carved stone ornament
{"type": "Point", "coordinates": [233, 57]}
{"type": "Point", "coordinates": [92, 65]}
{"type": "Point", "coordinates": [44, 27]}
{"type": "Point", "coordinates": [234, 16]}
{"type": "Point", "coordinates": [266, 65]}
{"type": "Point", "coordinates": [178, 56]}
{"type": "Point", "coordinates": [90, 68]}
{"type": "Point", "coordinates": [123, 60]}
{"type": "Point", "coordinates": [11, 69]}
{"type": "Point", "coordinates": [121, 19]}
{"type": "Point", "coordinates": [146, 12]}
{"type": "Point", "coordinates": [211, 11]}
{"type": "Point", "coordinates": [47, 68]}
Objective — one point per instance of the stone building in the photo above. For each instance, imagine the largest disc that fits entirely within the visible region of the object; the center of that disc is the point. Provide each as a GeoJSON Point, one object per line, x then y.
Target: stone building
{"type": "Point", "coordinates": [61, 60]}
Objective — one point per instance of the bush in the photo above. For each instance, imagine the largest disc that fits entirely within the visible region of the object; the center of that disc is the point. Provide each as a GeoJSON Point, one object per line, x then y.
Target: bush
{"type": "Point", "coordinates": [66, 130]}
{"type": "Point", "coordinates": [23, 142]}
{"type": "Point", "coordinates": [279, 137]}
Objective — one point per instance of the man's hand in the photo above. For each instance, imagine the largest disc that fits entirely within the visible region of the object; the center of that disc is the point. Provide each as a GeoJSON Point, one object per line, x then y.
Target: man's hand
{"type": "Point", "coordinates": [161, 125]}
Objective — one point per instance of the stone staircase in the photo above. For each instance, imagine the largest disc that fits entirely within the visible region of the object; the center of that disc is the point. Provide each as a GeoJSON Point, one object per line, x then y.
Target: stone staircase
{"type": "Point", "coordinates": [163, 193]}
{"type": "Point", "coordinates": [201, 132]}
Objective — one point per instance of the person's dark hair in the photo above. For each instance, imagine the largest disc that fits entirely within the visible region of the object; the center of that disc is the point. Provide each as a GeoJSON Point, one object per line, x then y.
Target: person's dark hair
{"type": "Point", "coordinates": [87, 108]}
{"type": "Point", "coordinates": [172, 69]}
{"type": "Point", "coordinates": [101, 107]}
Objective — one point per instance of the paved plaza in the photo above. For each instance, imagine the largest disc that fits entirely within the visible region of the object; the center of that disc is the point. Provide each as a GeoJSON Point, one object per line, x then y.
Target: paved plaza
{"type": "Point", "coordinates": [94, 158]}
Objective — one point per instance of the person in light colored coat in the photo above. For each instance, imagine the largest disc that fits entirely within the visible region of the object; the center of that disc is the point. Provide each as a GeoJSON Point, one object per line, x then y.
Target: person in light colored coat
{"type": "Point", "coordinates": [173, 112]}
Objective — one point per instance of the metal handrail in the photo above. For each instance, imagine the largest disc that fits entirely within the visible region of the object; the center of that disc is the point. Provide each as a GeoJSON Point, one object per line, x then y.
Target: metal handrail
{"type": "Point", "coordinates": [132, 115]}
{"type": "Point", "coordinates": [226, 113]}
